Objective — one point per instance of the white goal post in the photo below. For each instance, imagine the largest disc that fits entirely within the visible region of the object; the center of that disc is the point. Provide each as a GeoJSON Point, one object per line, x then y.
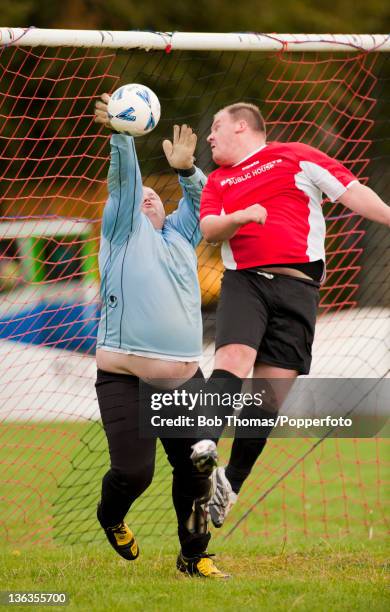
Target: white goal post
{"type": "Point", "coordinates": [207, 41]}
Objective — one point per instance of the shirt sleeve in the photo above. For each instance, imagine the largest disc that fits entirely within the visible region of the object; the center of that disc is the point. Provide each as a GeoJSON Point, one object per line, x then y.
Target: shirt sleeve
{"type": "Point", "coordinates": [211, 202]}
{"type": "Point", "coordinates": [122, 211]}
{"type": "Point", "coordinates": [185, 219]}
{"type": "Point", "coordinates": [326, 173]}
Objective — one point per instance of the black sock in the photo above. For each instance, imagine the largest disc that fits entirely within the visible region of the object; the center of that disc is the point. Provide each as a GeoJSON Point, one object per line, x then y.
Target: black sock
{"type": "Point", "coordinates": [243, 456]}
{"type": "Point", "coordinates": [246, 450]}
{"type": "Point", "coordinates": [221, 382]}
{"type": "Point", "coordinates": [236, 381]}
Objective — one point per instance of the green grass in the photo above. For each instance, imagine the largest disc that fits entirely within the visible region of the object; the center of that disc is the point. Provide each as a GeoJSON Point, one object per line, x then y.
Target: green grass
{"type": "Point", "coordinates": [315, 542]}
{"type": "Point", "coordinates": [320, 578]}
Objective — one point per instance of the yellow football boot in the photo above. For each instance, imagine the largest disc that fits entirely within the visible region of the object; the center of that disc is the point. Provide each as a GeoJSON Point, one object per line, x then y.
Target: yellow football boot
{"type": "Point", "coordinates": [201, 566]}
{"type": "Point", "coordinates": [122, 540]}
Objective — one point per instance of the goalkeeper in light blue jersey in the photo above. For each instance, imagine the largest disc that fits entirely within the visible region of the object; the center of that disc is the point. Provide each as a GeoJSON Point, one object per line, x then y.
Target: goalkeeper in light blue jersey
{"type": "Point", "coordinates": [150, 328]}
{"type": "Point", "coordinates": [149, 282]}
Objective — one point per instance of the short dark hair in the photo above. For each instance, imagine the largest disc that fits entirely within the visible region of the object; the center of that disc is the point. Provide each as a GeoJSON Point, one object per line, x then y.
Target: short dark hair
{"type": "Point", "coordinates": [250, 112]}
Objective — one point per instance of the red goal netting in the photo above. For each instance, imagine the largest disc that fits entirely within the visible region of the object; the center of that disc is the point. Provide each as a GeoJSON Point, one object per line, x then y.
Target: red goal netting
{"type": "Point", "coordinates": [53, 165]}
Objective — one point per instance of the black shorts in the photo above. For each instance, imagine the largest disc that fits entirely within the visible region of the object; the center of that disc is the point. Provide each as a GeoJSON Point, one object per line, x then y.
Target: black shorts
{"type": "Point", "coordinates": [274, 314]}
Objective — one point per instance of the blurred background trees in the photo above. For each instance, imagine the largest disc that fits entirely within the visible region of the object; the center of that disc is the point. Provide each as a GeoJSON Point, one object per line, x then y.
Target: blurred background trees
{"type": "Point", "coordinates": [345, 16]}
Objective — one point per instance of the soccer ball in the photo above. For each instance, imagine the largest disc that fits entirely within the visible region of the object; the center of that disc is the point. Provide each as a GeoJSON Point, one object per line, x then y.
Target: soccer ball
{"type": "Point", "coordinates": [134, 109]}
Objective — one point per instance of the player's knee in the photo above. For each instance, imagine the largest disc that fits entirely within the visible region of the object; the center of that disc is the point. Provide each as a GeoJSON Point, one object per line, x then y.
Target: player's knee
{"type": "Point", "coordinates": [134, 480]}
{"type": "Point", "coordinates": [141, 479]}
{"type": "Point", "coordinates": [235, 358]}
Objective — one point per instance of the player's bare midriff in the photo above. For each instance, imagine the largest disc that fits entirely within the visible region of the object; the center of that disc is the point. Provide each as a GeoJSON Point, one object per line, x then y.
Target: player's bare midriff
{"type": "Point", "coordinates": [287, 271]}
{"type": "Point", "coordinates": [148, 369]}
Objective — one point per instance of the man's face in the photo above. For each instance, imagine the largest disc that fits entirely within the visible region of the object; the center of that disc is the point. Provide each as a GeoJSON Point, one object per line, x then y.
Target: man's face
{"type": "Point", "coordinates": [223, 138]}
{"type": "Point", "coordinates": [153, 208]}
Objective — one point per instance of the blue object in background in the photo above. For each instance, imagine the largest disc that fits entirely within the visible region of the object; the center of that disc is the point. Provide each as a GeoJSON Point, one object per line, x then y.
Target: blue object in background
{"type": "Point", "coordinates": [71, 327]}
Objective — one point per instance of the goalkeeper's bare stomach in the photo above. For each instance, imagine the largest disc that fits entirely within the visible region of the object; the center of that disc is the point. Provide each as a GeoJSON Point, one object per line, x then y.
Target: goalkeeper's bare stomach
{"type": "Point", "coordinates": [168, 372]}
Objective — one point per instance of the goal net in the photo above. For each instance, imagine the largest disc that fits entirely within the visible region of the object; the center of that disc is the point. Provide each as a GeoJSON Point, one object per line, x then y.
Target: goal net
{"type": "Point", "coordinates": [329, 92]}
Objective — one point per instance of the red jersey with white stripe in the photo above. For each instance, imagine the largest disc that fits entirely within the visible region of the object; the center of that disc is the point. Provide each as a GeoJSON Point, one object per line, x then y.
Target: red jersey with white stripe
{"type": "Point", "coordinates": [289, 180]}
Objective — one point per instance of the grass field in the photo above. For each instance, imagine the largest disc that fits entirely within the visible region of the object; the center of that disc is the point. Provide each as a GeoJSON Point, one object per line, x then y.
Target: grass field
{"type": "Point", "coordinates": [315, 542]}
{"type": "Point", "coordinates": [321, 577]}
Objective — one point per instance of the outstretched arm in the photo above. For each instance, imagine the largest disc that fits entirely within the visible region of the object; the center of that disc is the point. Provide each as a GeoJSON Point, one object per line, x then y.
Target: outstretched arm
{"type": "Point", "coordinates": [122, 211]}
{"type": "Point", "coordinates": [340, 185]}
{"type": "Point", "coordinates": [364, 201]}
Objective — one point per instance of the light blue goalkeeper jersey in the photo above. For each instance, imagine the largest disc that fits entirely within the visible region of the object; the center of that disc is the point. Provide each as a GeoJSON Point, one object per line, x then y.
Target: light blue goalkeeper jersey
{"type": "Point", "coordinates": [149, 284]}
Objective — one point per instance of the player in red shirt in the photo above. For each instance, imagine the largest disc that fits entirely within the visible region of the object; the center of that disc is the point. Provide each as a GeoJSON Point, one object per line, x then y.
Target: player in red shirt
{"type": "Point", "coordinates": [264, 204]}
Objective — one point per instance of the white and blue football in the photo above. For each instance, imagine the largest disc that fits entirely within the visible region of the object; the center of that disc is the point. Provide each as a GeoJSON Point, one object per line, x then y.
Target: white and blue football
{"type": "Point", "coordinates": [134, 109]}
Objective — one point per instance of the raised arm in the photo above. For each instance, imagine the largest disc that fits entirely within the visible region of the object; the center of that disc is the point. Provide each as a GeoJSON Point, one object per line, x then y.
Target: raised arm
{"type": "Point", "coordinates": [122, 211]}
{"type": "Point", "coordinates": [185, 219]}
{"type": "Point", "coordinates": [180, 156]}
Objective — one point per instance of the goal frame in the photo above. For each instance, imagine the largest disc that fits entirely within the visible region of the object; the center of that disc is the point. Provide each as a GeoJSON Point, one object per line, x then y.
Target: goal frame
{"type": "Point", "coordinates": [206, 41]}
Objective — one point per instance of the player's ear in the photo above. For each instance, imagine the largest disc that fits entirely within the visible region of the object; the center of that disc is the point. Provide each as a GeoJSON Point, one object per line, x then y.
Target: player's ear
{"type": "Point", "coordinates": [240, 126]}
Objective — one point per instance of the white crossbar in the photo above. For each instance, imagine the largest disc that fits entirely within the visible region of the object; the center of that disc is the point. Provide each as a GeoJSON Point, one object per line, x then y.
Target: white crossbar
{"type": "Point", "coordinates": [172, 41]}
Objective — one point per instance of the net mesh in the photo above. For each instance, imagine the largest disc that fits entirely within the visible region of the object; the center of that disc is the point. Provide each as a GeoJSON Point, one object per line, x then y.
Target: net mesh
{"type": "Point", "coordinates": [53, 165]}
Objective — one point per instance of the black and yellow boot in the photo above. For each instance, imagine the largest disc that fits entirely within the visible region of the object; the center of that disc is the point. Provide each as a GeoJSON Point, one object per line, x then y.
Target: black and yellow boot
{"type": "Point", "coordinates": [121, 539]}
{"type": "Point", "coordinates": [201, 566]}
